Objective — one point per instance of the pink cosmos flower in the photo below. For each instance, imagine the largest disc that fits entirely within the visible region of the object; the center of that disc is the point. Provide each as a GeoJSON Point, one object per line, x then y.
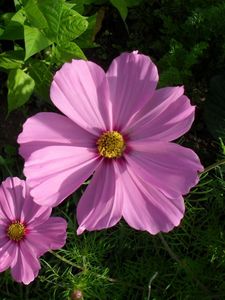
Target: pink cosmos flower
{"type": "Point", "coordinates": [26, 231]}
{"type": "Point", "coordinates": [119, 127]}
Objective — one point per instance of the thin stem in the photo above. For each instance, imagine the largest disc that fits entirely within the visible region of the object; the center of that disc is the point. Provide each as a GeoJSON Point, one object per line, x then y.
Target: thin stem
{"type": "Point", "coordinates": [150, 284]}
{"type": "Point", "coordinates": [184, 265]}
{"type": "Point", "coordinates": [113, 280]}
{"type": "Point", "coordinates": [213, 166]}
{"type": "Point", "coordinates": [169, 250]}
{"type": "Point", "coordinates": [66, 260]}
{"type": "Point", "coordinates": [77, 266]}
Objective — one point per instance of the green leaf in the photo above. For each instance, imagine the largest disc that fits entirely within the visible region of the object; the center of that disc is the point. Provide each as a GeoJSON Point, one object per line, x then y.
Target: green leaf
{"type": "Point", "coordinates": [34, 15]}
{"type": "Point", "coordinates": [71, 26]}
{"type": "Point", "coordinates": [6, 17]}
{"type": "Point", "coordinates": [11, 59]}
{"type": "Point", "coordinates": [52, 11]}
{"type": "Point", "coordinates": [66, 52]}
{"type": "Point", "coordinates": [14, 29]}
{"type": "Point", "coordinates": [86, 40]}
{"type": "Point", "coordinates": [121, 6]}
{"type": "Point", "coordinates": [20, 88]}
{"type": "Point", "coordinates": [42, 76]}
{"type": "Point", "coordinates": [35, 41]}
{"type": "Point", "coordinates": [64, 24]}
{"type": "Point", "coordinates": [214, 113]}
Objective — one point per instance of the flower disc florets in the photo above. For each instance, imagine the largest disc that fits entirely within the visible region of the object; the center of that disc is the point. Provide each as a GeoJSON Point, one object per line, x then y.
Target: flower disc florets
{"type": "Point", "coordinates": [16, 231]}
{"type": "Point", "coordinates": [111, 144]}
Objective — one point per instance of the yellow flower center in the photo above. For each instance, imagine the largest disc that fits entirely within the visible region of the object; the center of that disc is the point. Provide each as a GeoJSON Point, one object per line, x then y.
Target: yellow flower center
{"type": "Point", "coordinates": [16, 231]}
{"type": "Point", "coordinates": [111, 144]}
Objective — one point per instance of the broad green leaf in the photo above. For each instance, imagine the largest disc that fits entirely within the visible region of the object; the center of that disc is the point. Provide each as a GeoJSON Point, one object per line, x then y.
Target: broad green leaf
{"type": "Point", "coordinates": [64, 24]}
{"type": "Point", "coordinates": [66, 52]}
{"type": "Point", "coordinates": [34, 15]}
{"type": "Point", "coordinates": [17, 4]}
{"type": "Point", "coordinates": [71, 26]}
{"type": "Point", "coordinates": [11, 59]}
{"type": "Point", "coordinates": [77, 5]}
{"type": "Point", "coordinates": [42, 76]}
{"type": "Point", "coordinates": [14, 29]}
{"type": "Point", "coordinates": [121, 6]}
{"type": "Point", "coordinates": [86, 40]}
{"type": "Point", "coordinates": [6, 17]}
{"type": "Point", "coordinates": [20, 88]}
{"type": "Point", "coordinates": [215, 106]}
{"type": "Point", "coordinates": [52, 11]}
{"type": "Point", "coordinates": [35, 41]}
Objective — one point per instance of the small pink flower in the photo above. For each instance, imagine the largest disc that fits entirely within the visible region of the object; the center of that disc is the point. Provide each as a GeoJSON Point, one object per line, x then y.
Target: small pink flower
{"type": "Point", "coordinates": [119, 127]}
{"type": "Point", "coordinates": [26, 231]}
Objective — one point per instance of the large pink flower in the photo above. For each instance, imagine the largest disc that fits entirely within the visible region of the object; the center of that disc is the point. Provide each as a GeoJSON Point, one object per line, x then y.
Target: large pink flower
{"type": "Point", "coordinates": [119, 127]}
{"type": "Point", "coordinates": [26, 231]}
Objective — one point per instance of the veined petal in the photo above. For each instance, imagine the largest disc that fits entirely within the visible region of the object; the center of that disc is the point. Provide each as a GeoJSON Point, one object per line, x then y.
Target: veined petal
{"type": "Point", "coordinates": [132, 80]}
{"type": "Point", "coordinates": [80, 90]}
{"type": "Point", "coordinates": [7, 255]}
{"type": "Point", "coordinates": [167, 116]}
{"type": "Point", "coordinates": [11, 202]}
{"type": "Point", "coordinates": [146, 208]}
{"type": "Point", "coordinates": [101, 205]}
{"type": "Point", "coordinates": [51, 233]}
{"type": "Point", "coordinates": [55, 172]}
{"type": "Point", "coordinates": [26, 265]}
{"type": "Point", "coordinates": [46, 129]}
{"type": "Point", "coordinates": [33, 214]}
{"type": "Point", "coordinates": [171, 168]}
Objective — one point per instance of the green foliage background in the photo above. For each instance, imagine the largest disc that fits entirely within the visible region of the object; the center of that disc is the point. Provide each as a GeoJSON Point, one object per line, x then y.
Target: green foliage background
{"type": "Point", "coordinates": [186, 40]}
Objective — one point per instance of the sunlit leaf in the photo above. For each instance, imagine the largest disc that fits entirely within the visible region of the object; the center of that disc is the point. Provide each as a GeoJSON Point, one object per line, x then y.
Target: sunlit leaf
{"type": "Point", "coordinates": [11, 59]}
{"type": "Point", "coordinates": [34, 15]}
{"type": "Point", "coordinates": [14, 29]}
{"type": "Point", "coordinates": [66, 52]}
{"type": "Point", "coordinates": [20, 88]}
{"type": "Point", "coordinates": [35, 41]}
{"type": "Point", "coordinates": [64, 23]}
{"type": "Point", "coordinates": [42, 76]}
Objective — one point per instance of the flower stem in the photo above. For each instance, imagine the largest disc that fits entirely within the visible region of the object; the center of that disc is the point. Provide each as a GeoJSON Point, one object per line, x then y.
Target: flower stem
{"type": "Point", "coordinates": [183, 264]}
{"type": "Point", "coordinates": [82, 269]}
{"type": "Point", "coordinates": [66, 260]}
{"type": "Point", "coordinates": [213, 166]}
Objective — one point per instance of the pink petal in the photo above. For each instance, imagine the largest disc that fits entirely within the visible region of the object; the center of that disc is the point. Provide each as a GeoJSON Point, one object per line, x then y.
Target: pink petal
{"type": "Point", "coordinates": [7, 254]}
{"type": "Point", "coordinates": [146, 208]}
{"type": "Point", "coordinates": [167, 116]}
{"type": "Point", "coordinates": [3, 233]}
{"type": "Point", "coordinates": [100, 206]}
{"type": "Point", "coordinates": [46, 129]}
{"type": "Point", "coordinates": [80, 91]}
{"type": "Point", "coordinates": [33, 214]}
{"type": "Point", "coordinates": [49, 235]}
{"type": "Point", "coordinates": [132, 80]}
{"type": "Point", "coordinates": [25, 266]}
{"type": "Point", "coordinates": [171, 168]}
{"type": "Point", "coordinates": [11, 198]}
{"type": "Point", "coordinates": [55, 172]}
{"type": "Point", "coordinates": [17, 204]}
